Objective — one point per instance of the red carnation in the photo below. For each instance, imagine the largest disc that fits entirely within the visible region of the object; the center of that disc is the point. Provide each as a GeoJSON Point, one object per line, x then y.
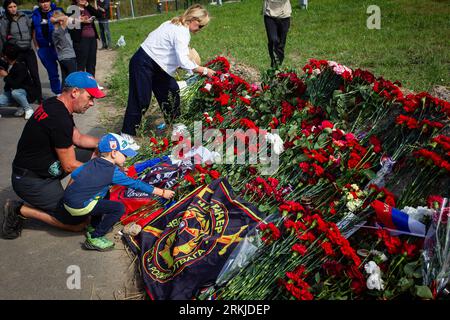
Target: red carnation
{"type": "Point", "coordinates": [190, 179]}
{"type": "Point", "coordinates": [245, 100]}
{"type": "Point", "coordinates": [304, 166]}
{"type": "Point", "coordinates": [223, 99]}
{"type": "Point", "coordinates": [326, 124]}
{"type": "Point", "coordinates": [214, 174]}
{"type": "Point", "coordinates": [318, 170]}
{"type": "Point", "coordinates": [299, 248]}
{"type": "Point", "coordinates": [327, 248]}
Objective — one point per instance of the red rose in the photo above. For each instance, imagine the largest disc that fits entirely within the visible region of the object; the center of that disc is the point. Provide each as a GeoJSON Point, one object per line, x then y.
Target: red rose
{"type": "Point", "coordinates": [214, 174]}
{"type": "Point", "coordinates": [409, 249]}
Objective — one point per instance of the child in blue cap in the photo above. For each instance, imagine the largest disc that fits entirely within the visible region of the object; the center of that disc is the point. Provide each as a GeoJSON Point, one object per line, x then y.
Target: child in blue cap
{"type": "Point", "coordinates": [90, 183]}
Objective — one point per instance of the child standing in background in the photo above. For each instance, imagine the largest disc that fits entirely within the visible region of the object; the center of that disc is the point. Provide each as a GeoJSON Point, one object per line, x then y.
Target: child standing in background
{"type": "Point", "coordinates": [63, 45]}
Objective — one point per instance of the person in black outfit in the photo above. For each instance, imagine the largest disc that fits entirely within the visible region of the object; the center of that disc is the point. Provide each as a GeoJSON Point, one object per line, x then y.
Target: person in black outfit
{"type": "Point", "coordinates": [85, 39]}
{"type": "Point", "coordinates": [16, 28]}
{"type": "Point", "coordinates": [103, 23]}
{"type": "Point", "coordinates": [277, 20]}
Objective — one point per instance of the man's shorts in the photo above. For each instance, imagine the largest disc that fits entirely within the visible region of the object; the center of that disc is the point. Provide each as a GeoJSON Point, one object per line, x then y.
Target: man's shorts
{"type": "Point", "coordinates": [41, 193]}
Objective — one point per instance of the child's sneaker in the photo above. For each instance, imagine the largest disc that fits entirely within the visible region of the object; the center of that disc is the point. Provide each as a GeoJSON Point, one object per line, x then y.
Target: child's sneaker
{"type": "Point", "coordinates": [100, 244]}
{"type": "Point", "coordinates": [89, 230]}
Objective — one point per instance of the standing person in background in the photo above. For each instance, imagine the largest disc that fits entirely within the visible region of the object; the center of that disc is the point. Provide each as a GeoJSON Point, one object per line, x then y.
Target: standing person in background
{"type": "Point", "coordinates": [42, 37]}
{"type": "Point", "coordinates": [103, 23]}
{"type": "Point", "coordinates": [85, 39]}
{"type": "Point", "coordinates": [277, 19]}
{"type": "Point", "coordinates": [153, 65]}
{"type": "Point", "coordinates": [16, 29]}
{"type": "Point", "coordinates": [63, 45]}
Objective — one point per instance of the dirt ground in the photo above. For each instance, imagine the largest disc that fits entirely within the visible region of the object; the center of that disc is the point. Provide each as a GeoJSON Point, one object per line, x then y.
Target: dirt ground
{"type": "Point", "coordinates": [110, 117]}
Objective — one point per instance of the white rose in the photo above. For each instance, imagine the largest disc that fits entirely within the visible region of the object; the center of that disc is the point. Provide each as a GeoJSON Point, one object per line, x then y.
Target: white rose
{"type": "Point", "coordinates": [375, 282]}
{"type": "Point", "coordinates": [277, 142]}
{"type": "Point", "coordinates": [351, 206]}
{"type": "Point", "coordinates": [208, 86]}
{"type": "Point", "coordinates": [417, 213]}
{"type": "Point", "coordinates": [371, 267]}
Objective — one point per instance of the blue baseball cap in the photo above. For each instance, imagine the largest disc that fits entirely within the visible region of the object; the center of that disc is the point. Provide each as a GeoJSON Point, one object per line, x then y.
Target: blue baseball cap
{"type": "Point", "coordinates": [84, 80]}
{"type": "Point", "coordinates": [112, 141]}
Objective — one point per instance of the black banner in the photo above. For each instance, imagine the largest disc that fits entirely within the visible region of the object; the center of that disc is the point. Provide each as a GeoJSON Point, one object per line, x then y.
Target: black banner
{"type": "Point", "coordinates": [184, 248]}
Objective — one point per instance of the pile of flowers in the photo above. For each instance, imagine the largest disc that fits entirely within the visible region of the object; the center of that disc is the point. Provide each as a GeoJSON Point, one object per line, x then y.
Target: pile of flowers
{"type": "Point", "coordinates": [348, 138]}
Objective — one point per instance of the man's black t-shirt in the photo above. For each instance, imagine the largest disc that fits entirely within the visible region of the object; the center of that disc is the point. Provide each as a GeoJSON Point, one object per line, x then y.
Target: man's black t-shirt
{"type": "Point", "coordinates": [50, 127]}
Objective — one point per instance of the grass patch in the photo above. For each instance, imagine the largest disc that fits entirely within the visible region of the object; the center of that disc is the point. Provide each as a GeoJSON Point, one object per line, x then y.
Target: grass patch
{"type": "Point", "coordinates": [412, 45]}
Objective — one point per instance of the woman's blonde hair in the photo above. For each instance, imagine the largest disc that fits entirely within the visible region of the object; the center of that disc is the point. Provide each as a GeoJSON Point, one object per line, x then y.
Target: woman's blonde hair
{"type": "Point", "coordinates": [194, 56]}
{"type": "Point", "coordinates": [194, 12]}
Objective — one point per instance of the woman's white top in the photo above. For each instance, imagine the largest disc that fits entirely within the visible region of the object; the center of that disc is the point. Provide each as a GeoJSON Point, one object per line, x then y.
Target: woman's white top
{"type": "Point", "coordinates": [168, 46]}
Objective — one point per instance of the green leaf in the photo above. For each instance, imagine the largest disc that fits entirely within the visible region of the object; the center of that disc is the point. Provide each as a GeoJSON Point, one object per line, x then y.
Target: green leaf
{"type": "Point", "coordinates": [317, 277]}
{"type": "Point", "coordinates": [369, 174]}
{"type": "Point", "coordinates": [292, 131]}
{"type": "Point", "coordinates": [409, 268]}
{"type": "Point", "coordinates": [337, 94]}
{"type": "Point", "coordinates": [388, 294]}
{"type": "Point", "coordinates": [301, 158]}
{"type": "Point", "coordinates": [424, 292]}
{"type": "Point", "coordinates": [418, 274]}
{"type": "Point", "coordinates": [263, 107]}
{"type": "Point", "coordinates": [405, 283]}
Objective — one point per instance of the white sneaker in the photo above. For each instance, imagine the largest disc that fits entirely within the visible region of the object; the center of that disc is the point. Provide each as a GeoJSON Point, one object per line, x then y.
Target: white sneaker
{"type": "Point", "coordinates": [28, 114]}
{"type": "Point", "coordinates": [19, 113]}
{"type": "Point", "coordinates": [133, 145]}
